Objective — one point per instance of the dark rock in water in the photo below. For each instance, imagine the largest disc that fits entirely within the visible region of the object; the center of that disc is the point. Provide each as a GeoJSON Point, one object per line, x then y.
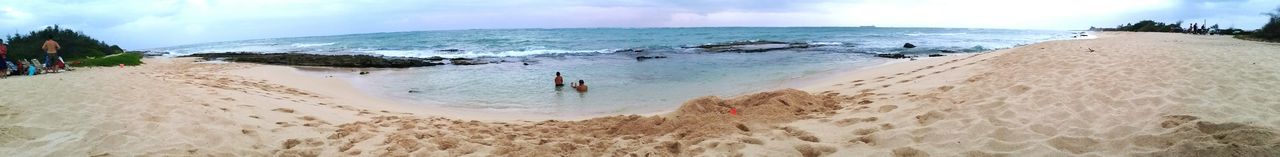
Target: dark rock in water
{"type": "Point", "coordinates": [150, 53]}
{"type": "Point", "coordinates": [1084, 35]}
{"type": "Point", "coordinates": [526, 63]}
{"type": "Point", "coordinates": [936, 55]}
{"type": "Point", "coordinates": [894, 56]}
{"type": "Point", "coordinates": [629, 50]}
{"type": "Point", "coordinates": [751, 46]}
{"type": "Point", "coordinates": [435, 58]}
{"type": "Point", "coordinates": [467, 61]}
{"type": "Point", "coordinates": [364, 73]}
{"type": "Point", "coordinates": [642, 58]}
{"type": "Point", "coordinates": [450, 50]}
{"type": "Point", "coordinates": [948, 51]}
{"type": "Point", "coordinates": [414, 91]}
{"type": "Point", "coordinates": [303, 59]}
{"type": "Point", "coordinates": [908, 45]}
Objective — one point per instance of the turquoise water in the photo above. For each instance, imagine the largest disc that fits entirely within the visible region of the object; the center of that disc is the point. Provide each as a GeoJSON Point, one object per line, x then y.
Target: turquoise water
{"type": "Point", "coordinates": [619, 83]}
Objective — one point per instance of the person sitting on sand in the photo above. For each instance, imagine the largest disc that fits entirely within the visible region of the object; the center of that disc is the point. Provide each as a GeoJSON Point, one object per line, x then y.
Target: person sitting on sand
{"type": "Point", "coordinates": [559, 80]}
{"type": "Point", "coordinates": [51, 48]}
{"type": "Point", "coordinates": [581, 86]}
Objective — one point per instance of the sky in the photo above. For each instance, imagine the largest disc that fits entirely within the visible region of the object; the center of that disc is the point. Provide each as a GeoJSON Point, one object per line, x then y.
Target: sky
{"type": "Point", "coordinates": [141, 24]}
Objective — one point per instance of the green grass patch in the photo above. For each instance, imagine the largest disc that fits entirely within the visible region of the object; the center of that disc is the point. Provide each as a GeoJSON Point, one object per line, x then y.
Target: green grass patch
{"type": "Point", "coordinates": [130, 59]}
{"type": "Point", "coordinates": [1252, 38]}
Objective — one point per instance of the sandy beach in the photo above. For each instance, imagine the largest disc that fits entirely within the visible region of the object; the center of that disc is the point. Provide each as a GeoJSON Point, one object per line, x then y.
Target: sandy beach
{"type": "Point", "coordinates": [1121, 94]}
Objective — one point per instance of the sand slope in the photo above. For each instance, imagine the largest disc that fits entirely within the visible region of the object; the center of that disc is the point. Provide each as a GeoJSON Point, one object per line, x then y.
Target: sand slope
{"type": "Point", "coordinates": [1135, 94]}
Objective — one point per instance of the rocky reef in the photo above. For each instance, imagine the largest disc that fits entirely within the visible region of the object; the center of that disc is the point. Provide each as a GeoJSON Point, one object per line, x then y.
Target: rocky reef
{"type": "Point", "coordinates": [751, 46]}
{"type": "Point", "coordinates": [303, 59]}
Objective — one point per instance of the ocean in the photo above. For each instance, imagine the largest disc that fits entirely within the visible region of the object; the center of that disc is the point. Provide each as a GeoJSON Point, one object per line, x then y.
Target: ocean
{"type": "Point", "coordinates": [605, 58]}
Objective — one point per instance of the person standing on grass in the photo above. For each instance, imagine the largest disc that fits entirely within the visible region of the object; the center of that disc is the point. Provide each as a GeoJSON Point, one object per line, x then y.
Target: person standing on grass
{"type": "Point", "coordinates": [51, 48]}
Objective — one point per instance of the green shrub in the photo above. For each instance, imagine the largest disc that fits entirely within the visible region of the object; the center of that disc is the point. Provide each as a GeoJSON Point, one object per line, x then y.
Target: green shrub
{"type": "Point", "coordinates": [130, 59]}
{"type": "Point", "coordinates": [1270, 31]}
{"type": "Point", "coordinates": [75, 45]}
{"type": "Point", "coordinates": [1146, 26]}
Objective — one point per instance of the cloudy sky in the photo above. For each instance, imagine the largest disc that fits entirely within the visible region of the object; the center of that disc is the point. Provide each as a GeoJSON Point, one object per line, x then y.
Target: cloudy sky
{"type": "Point", "coordinates": [136, 24]}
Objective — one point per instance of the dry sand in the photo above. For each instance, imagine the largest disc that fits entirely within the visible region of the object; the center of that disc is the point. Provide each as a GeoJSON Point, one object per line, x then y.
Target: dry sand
{"type": "Point", "coordinates": [1136, 94]}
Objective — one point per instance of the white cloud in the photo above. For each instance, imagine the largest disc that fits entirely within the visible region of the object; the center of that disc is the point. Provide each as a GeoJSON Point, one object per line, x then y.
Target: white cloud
{"type": "Point", "coordinates": [987, 13]}
{"type": "Point", "coordinates": [13, 17]}
{"type": "Point", "coordinates": [157, 23]}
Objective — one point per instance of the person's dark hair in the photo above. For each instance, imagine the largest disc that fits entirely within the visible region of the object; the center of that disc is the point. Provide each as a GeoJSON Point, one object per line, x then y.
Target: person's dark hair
{"type": "Point", "coordinates": [580, 82]}
{"type": "Point", "coordinates": [557, 73]}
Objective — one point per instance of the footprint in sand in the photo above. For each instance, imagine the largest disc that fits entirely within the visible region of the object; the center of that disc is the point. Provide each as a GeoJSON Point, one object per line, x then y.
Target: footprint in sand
{"type": "Point", "coordinates": [866, 139]}
{"type": "Point", "coordinates": [1019, 89]}
{"type": "Point", "coordinates": [888, 108]}
{"type": "Point", "coordinates": [1171, 121]}
{"type": "Point", "coordinates": [800, 134]}
{"type": "Point", "coordinates": [307, 118]}
{"type": "Point", "coordinates": [851, 121]}
{"type": "Point", "coordinates": [909, 152]}
{"type": "Point", "coordinates": [285, 110]}
{"type": "Point", "coordinates": [811, 150]}
{"type": "Point", "coordinates": [1075, 145]}
{"type": "Point", "coordinates": [946, 88]}
{"type": "Point", "coordinates": [865, 131]}
{"type": "Point", "coordinates": [928, 118]}
{"type": "Point", "coordinates": [285, 124]}
{"type": "Point", "coordinates": [886, 126]}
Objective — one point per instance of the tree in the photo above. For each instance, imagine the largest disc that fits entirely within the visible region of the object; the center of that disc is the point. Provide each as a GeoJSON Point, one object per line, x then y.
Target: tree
{"type": "Point", "coordinates": [75, 45]}
{"type": "Point", "coordinates": [1270, 31]}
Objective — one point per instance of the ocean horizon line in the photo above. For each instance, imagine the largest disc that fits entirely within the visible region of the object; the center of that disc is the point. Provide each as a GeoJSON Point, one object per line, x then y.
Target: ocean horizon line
{"type": "Point", "coordinates": [564, 28]}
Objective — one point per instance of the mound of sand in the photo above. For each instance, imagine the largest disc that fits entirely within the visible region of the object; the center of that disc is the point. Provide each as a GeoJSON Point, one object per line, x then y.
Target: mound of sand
{"type": "Point", "coordinates": [1203, 138]}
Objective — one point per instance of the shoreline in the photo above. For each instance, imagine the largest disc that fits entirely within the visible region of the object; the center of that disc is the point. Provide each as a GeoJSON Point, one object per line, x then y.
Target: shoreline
{"type": "Point", "coordinates": [294, 73]}
{"type": "Point", "coordinates": [805, 83]}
